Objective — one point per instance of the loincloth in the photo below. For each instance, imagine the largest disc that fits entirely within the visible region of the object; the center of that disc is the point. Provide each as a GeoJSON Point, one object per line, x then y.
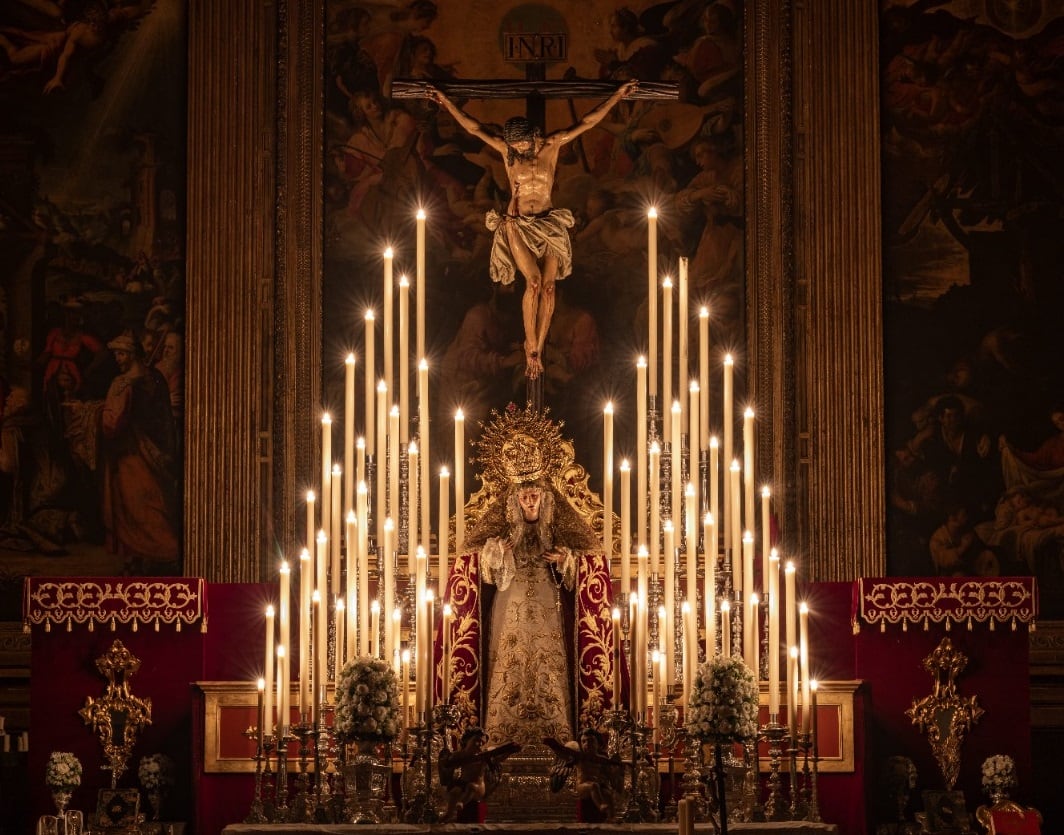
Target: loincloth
{"type": "Point", "coordinates": [544, 234]}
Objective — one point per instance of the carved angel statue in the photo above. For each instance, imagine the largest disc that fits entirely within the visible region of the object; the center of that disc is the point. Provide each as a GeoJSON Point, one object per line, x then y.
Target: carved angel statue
{"type": "Point", "coordinates": [472, 772]}
{"type": "Point", "coordinates": [599, 779]}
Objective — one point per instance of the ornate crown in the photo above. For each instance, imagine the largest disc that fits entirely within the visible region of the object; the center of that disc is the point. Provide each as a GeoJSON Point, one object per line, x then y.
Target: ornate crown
{"type": "Point", "coordinates": [521, 445]}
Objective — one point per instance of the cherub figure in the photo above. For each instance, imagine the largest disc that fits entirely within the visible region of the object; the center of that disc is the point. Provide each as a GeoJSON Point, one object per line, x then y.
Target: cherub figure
{"type": "Point", "coordinates": [472, 772]}
{"type": "Point", "coordinates": [598, 779]}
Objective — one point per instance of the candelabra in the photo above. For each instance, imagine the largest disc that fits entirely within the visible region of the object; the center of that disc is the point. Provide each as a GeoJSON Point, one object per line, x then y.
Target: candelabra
{"type": "Point", "coordinates": [642, 804]}
{"type": "Point", "coordinates": [301, 809]}
{"type": "Point", "coordinates": [419, 805]}
{"type": "Point", "coordinates": [774, 733]}
{"type": "Point", "coordinates": [671, 735]}
{"type": "Point", "coordinates": [258, 810]}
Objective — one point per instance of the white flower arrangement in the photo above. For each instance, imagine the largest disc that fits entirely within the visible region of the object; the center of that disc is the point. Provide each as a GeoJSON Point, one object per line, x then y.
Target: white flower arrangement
{"type": "Point", "coordinates": [367, 701]}
{"type": "Point", "coordinates": [999, 774]}
{"type": "Point", "coordinates": [156, 772]}
{"type": "Point", "coordinates": [723, 705]}
{"type": "Point", "coordinates": [63, 772]}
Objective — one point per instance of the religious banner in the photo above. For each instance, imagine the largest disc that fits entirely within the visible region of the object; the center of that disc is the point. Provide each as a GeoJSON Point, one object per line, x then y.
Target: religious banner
{"type": "Point", "coordinates": [111, 601]}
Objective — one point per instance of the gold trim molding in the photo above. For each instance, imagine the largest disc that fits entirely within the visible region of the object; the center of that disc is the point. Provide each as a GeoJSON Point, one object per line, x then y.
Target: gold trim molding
{"type": "Point", "coordinates": [1011, 600]}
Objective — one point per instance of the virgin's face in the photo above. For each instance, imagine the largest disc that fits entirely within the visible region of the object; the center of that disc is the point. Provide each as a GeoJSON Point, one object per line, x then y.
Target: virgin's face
{"type": "Point", "coordinates": [530, 499]}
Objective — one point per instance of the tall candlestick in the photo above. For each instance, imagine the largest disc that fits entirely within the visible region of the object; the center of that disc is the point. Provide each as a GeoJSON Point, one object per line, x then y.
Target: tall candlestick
{"type": "Point", "coordinates": [682, 322]}
{"type": "Point", "coordinates": [641, 452]}
{"type": "Point", "coordinates": [725, 628]}
{"type": "Point", "coordinates": [393, 631]}
{"type": "Point", "coordinates": [666, 356]}
{"type": "Point", "coordinates": [703, 377]}
{"type": "Point", "coordinates": [750, 635]}
{"type": "Point", "coordinates": [691, 521]}
{"type": "Point", "coordinates": [607, 480]}
{"type": "Point", "coordinates": [709, 593]}
{"type": "Point", "coordinates": [370, 372]}
{"type": "Point", "coordinates": [666, 627]}
{"type": "Point", "coordinates": [633, 642]}
{"type": "Point", "coordinates": [655, 514]}
{"type": "Point", "coordinates": [284, 631]}
{"type": "Point", "coordinates": [655, 667]}
{"type": "Point", "coordinates": [413, 495]}
{"type": "Point", "coordinates": [615, 703]}
{"type": "Point", "coordinates": [375, 628]}
{"type": "Point", "coordinates": [387, 569]}
{"type": "Point", "coordinates": [383, 465]}
{"type": "Point", "coordinates": [339, 630]}
{"type": "Point", "coordinates": [420, 634]}
{"type": "Point", "coordinates": [404, 360]}
{"type": "Point", "coordinates": [430, 632]}
{"type": "Point", "coordinates": [641, 628]}
{"type": "Point", "coordinates": [360, 460]}
{"type": "Point", "coordinates": [714, 494]}
{"type": "Point", "coordinates": [728, 419]}
{"type": "Point", "coordinates": [261, 715]}
{"type": "Point", "coordinates": [405, 687]}
{"type": "Point", "coordinates": [349, 432]}
{"type": "Point", "coordinates": [690, 649]}
{"type": "Point", "coordinates": [694, 475]}
{"type": "Point", "coordinates": [420, 281]}
{"type": "Point", "coordinates": [445, 516]}
{"type": "Point", "coordinates": [803, 661]}
{"type": "Point", "coordinates": [774, 636]}
{"type": "Point", "coordinates": [306, 583]}
{"type": "Point", "coordinates": [626, 527]}
{"type": "Point", "coordinates": [813, 688]}
{"type": "Point", "coordinates": [355, 581]}
{"type": "Point", "coordinates": [792, 692]}
{"type": "Point", "coordinates": [652, 294]}
{"type": "Point", "coordinates": [748, 469]}
{"type": "Point", "coordinates": [268, 675]}
{"type": "Point", "coordinates": [326, 473]}
{"type": "Point", "coordinates": [424, 436]}
{"type": "Point", "coordinates": [389, 326]}
{"type": "Point", "coordinates": [459, 482]}
{"type": "Point", "coordinates": [791, 604]}
{"type": "Point", "coordinates": [676, 492]}
{"type": "Point", "coordinates": [318, 660]}
{"type": "Point", "coordinates": [755, 642]}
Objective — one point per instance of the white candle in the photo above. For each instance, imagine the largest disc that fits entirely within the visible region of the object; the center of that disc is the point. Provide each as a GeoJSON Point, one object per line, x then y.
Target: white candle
{"type": "Point", "coordinates": [445, 516]}
{"type": "Point", "coordinates": [703, 377]}
{"type": "Point", "coordinates": [633, 644]}
{"type": "Point", "coordinates": [371, 371]}
{"type": "Point", "coordinates": [336, 535]}
{"type": "Point", "coordinates": [690, 518]}
{"type": "Point", "coordinates": [261, 719]}
{"type": "Point", "coordinates": [459, 482]}
{"type": "Point", "coordinates": [655, 515]}
{"type": "Point", "coordinates": [311, 527]}
{"type": "Point", "coordinates": [755, 644]}
{"type": "Point", "coordinates": [430, 643]}
{"type": "Point", "coordinates": [790, 602]}
{"type": "Point", "coordinates": [615, 703]}
{"type": "Point", "coordinates": [383, 393]}
{"type": "Point", "coordinates": [652, 293]}
{"type": "Point", "coordinates": [676, 492]}
{"type": "Point", "coordinates": [641, 451]}
{"type": "Point", "coordinates": [748, 469]}
{"type": "Point", "coordinates": [282, 691]}
{"type": "Point", "coordinates": [412, 505]}
{"type": "Point", "coordinates": [694, 475]}
{"type": "Point", "coordinates": [774, 636]}
{"type": "Point", "coordinates": [766, 534]}
{"type": "Point", "coordinates": [749, 628]}
{"type": "Point", "coordinates": [405, 687]}
{"type": "Point", "coordinates": [321, 626]}
{"type": "Point", "coordinates": [393, 462]}
{"type": "Point", "coordinates": [306, 583]}
{"type": "Point", "coordinates": [424, 436]}
{"type": "Point", "coordinates": [270, 651]}
{"type": "Point", "coordinates": [349, 431]}
{"type": "Point", "coordinates": [389, 326]}
{"type": "Point", "coordinates": [607, 480]}
{"type": "Point", "coordinates": [393, 631]}
{"type": "Point", "coordinates": [420, 280]}
{"type": "Point", "coordinates": [391, 636]}
{"type": "Point", "coordinates": [655, 666]}
{"type": "Point", "coordinates": [360, 460]}
{"type": "Point", "coordinates": [803, 660]}
{"type": "Point", "coordinates": [339, 629]}
{"type": "Point", "coordinates": [729, 431]}
{"type": "Point", "coordinates": [404, 360]}
{"type": "Point", "coordinates": [326, 472]}
{"type": "Point", "coordinates": [666, 626]}
{"type": "Point", "coordinates": [641, 628]}
{"type": "Point", "coordinates": [725, 628]}
{"type": "Point", "coordinates": [813, 687]}
{"type": "Point", "coordinates": [714, 494]}
{"type": "Point", "coordinates": [733, 510]}
{"type": "Point", "coordinates": [362, 500]}
{"type": "Point", "coordinates": [666, 356]}
{"type": "Point", "coordinates": [284, 630]}
{"type": "Point", "coordinates": [682, 321]}
{"type": "Point", "coordinates": [626, 527]}
{"type": "Point", "coordinates": [690, 649]}
{"type": "Point", "coordinates": [355, 581]}
{"type": "Point", "coordinates": [792, 692]}
{"type": "Point", "coordinates": [709, 592]}
{"type": "Point", "coordinates": [318, 659]}
{"type": "Point", "coordinates": [446, 629]}
{"type": "Point", "coordinates": [375, 628]}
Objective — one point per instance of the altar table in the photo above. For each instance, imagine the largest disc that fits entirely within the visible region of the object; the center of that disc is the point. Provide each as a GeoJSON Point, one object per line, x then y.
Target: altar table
{"type": "Point", "coordinates": [774, 828]}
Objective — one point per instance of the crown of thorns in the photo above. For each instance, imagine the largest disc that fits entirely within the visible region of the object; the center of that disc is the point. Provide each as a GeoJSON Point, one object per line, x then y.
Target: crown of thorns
{"type": "Point", "coordinates": [519, 129]}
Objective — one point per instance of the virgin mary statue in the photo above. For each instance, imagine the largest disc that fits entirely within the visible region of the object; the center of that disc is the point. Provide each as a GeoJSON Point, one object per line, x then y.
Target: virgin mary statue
{"type": "Point", "coordinates": [532, 650]}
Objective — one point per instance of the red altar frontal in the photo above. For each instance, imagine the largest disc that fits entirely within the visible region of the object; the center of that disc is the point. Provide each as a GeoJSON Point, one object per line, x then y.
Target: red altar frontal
{"type": "Point", "coordinates": [868, 643]}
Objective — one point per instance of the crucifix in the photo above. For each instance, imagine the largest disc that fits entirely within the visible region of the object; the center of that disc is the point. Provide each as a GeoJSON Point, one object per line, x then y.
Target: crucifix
{"type": "Point", "coordinates": [532, 237]}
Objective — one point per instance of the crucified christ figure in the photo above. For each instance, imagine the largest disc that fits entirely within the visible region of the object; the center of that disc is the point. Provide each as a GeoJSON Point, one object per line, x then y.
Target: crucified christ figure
{"type": "Point", "coordinates": [532, 237]}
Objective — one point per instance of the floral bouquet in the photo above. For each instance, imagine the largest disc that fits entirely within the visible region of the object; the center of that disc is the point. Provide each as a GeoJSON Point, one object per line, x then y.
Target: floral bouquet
{"type": "Point", "coordinates": [156, 772]}
{"type": "Point", "coordinates": [723, 705]}
{"type": "Point", "coordinates": [999, 775]}
{"type": "Point", "coordinates": [63, 772]}
{"type": "Point", "coordinates": [367, 701]}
